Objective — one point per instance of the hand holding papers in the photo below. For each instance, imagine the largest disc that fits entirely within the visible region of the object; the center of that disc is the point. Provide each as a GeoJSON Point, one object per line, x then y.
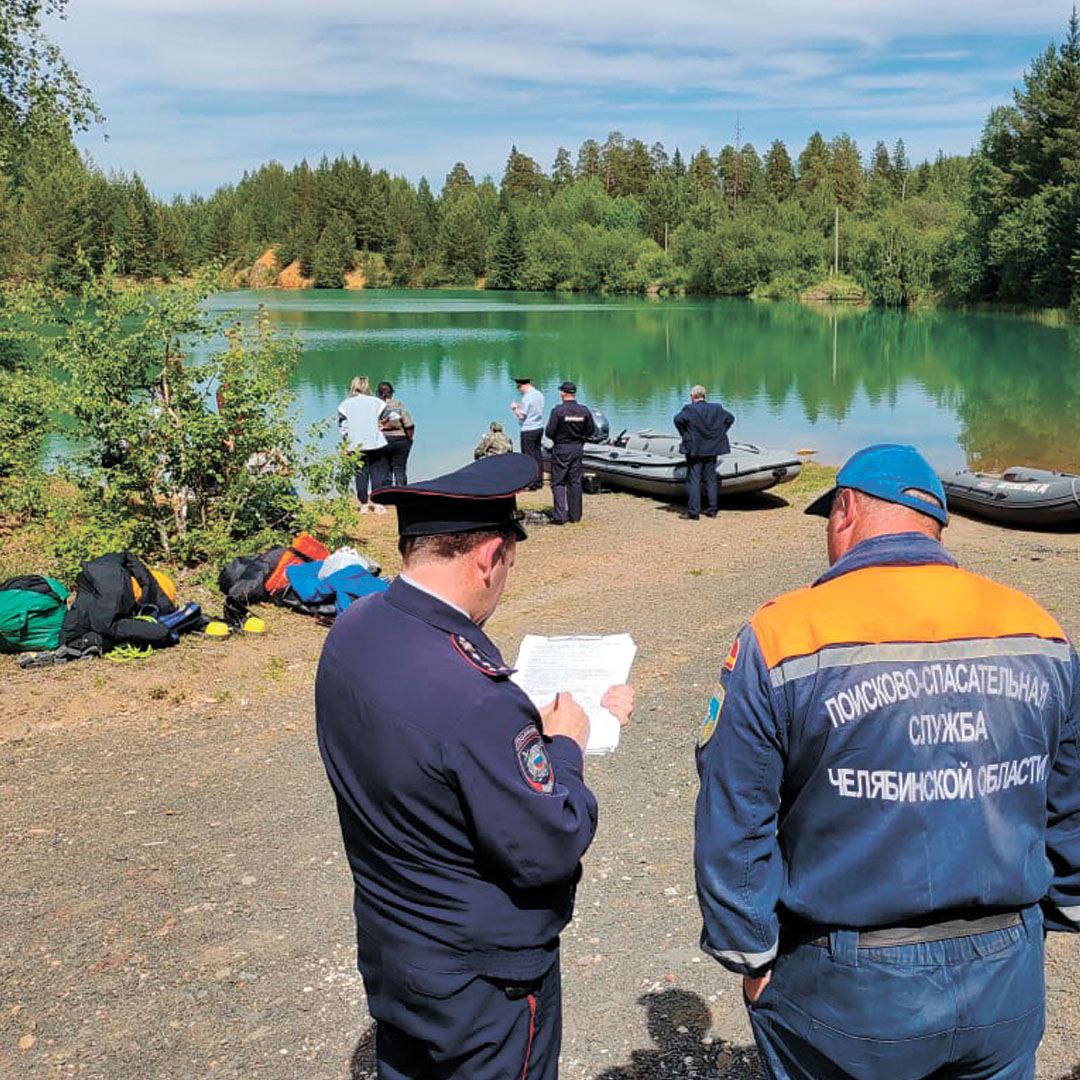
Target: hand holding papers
{"type": "Point", "coordinates": [586, 666]}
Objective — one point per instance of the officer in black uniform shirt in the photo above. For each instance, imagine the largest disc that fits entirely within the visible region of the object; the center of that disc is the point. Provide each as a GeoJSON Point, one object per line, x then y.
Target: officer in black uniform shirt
{"type": "Point", "coordinates": [569, 427]}
{"type": "Point", "coordinates": [463, 808]}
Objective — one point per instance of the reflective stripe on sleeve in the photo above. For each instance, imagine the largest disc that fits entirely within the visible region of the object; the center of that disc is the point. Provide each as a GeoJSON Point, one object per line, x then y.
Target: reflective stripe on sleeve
{"type": "Point", "coordinates": [746, 959]}
{"type": "Point", "coordinates": [896, 652]}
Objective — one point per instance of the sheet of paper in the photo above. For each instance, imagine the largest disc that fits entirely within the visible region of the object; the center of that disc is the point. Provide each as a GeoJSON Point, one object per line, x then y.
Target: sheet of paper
{"type": "Point", "coordinates": [583, 664]}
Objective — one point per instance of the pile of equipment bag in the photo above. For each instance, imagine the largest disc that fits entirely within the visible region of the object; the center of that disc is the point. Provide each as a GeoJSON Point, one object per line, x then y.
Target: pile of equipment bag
{"type": "Point", "coordinates": [118, 601]}
{"type": "Point", "coordinates": [305, 577]}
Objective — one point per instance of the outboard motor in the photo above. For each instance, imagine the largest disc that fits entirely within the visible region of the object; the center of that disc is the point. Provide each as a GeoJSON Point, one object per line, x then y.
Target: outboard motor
{"type": "Point", "coordinates": [603, 428]}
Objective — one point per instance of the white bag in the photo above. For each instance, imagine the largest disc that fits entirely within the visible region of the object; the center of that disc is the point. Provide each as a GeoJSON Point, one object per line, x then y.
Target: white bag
{"type": "Point", "coordinates": [348, 556]}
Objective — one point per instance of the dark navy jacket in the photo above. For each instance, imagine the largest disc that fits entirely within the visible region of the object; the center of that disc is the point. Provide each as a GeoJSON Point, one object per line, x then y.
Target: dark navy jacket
{"type": "Point", "coordinates": [570, 423]}
{"type": "Point", "coordinates": [463, 826]}
{"type": "Point", "coordinates": [703, 426]}
{"type": "Point", "coordinates": [898, 740]}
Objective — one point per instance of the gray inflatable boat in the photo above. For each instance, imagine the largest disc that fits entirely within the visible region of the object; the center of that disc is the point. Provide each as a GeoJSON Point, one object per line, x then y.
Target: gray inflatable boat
{"type": "Point", "coordinates": [649, 462]}
{"type": "Point", "coordinates": [1019, 496]}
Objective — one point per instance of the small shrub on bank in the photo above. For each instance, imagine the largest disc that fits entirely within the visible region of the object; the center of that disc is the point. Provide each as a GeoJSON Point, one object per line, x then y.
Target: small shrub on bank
{"type": "Point", "coordinates": [184, 445]}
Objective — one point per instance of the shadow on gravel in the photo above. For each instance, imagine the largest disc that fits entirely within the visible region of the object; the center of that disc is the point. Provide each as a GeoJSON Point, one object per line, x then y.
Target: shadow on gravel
{"type": "Point", "coordinates": [762, 500]}
{"type": "Point", "coordinates": [1074, 1075]}
{"type": "Point", "coordinates": [362, 1062]}
{"type": "Point", "coordinates": [678, 1020]}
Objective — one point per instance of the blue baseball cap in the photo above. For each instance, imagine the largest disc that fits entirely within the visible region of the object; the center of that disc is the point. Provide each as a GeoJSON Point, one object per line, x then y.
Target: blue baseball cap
{"type": "Point", "coordinates": [892, 472]}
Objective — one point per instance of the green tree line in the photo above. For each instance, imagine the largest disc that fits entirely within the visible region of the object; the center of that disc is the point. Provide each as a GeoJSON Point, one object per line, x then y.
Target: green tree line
{"type": "Point", "coordinates": [1001, 224]}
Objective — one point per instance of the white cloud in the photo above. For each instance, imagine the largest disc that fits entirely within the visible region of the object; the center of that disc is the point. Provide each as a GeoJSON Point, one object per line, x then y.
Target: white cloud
{"type": "Point", "coordinates": [192, 85]}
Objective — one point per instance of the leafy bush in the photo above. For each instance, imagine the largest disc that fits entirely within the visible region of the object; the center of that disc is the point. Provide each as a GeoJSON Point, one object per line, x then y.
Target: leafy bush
{"type": "Point", "coordinates": [185, 447]}
{"type": "Point", "coordinates": [27, 397]}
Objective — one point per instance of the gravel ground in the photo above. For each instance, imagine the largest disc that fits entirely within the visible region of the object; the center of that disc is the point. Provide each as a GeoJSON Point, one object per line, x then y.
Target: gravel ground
{"type": "Point", "coordinates": [176, 901]}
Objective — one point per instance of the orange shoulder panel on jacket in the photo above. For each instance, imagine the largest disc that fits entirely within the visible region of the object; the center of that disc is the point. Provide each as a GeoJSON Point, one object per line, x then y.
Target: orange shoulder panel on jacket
{"type": "Point", "coordinates": [896, 603]}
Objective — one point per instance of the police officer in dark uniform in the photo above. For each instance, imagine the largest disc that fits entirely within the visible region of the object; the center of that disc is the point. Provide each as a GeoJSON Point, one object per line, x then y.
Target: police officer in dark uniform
{"type": "Point", "coordinates": [569, 427]}
{"type": "Point", "coordinates": [463, 808]}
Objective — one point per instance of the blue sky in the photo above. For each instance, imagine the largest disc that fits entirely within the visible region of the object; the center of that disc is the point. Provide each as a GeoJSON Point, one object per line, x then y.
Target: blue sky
{"type": "Point", "coordinates": [197, 91]}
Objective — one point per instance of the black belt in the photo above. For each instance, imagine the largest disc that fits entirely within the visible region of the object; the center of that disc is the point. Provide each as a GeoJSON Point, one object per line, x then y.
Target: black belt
{"type": "Point", "coordinates": [517, 989]}
{"type": "Point", "coordinates": [886, 936]}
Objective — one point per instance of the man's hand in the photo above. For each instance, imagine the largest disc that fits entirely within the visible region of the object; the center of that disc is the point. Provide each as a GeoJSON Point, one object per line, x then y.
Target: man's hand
{"type": "Point", "coordinates": [619, 701]}
{"type": "Point", "coordinates": [564, 716]}
{"type": "Point", "coordinates": [753, 986]}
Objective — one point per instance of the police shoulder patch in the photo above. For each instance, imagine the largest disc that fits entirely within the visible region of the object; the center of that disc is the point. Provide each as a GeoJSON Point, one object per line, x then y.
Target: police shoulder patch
{"type": "Point", "coordinates": [492, 668]}
{"type": "Point", "coordinates": [533, 761]}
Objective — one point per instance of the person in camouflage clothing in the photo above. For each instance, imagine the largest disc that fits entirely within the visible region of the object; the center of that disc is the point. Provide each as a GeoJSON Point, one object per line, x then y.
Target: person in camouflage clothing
{"type": "Point", "coordinates": [495, 441]}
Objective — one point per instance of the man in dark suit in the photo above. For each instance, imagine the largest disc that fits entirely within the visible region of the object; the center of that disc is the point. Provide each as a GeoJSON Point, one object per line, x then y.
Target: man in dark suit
{"type": "Point", "coordinates": [703, 426]}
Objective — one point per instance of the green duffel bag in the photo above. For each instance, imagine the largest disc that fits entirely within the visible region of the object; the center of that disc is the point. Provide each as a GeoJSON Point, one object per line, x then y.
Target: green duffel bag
{"type": "Point", "coordinates": [32, 610]}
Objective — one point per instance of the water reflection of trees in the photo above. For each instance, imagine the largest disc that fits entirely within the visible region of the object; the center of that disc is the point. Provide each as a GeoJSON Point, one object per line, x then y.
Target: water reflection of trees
{"type": "Point", "coordinates": [1014, 384]}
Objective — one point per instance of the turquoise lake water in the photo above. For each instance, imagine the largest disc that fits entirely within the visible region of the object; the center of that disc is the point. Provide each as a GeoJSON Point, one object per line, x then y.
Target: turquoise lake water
{"type": "Point", "coordinates": [986, 390]}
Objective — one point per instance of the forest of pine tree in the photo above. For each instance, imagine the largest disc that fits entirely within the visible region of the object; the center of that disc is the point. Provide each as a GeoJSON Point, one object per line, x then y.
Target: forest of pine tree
{"type": "Point", "coordinates": [999, 225]}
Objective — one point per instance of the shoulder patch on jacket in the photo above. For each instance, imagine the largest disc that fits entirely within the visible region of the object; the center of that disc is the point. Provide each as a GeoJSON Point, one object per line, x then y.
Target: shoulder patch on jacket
{"type": "Point", "coordinates": [732, 657]}
{"type": "Point", "coordinates": [712, 717]}
{"type": "Point", "coordinates": [533, 761]}
{"type": "Point", "coordinates": [493, 669]}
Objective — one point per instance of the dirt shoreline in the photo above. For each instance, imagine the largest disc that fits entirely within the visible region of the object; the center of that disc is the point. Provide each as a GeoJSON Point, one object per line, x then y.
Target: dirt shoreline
{"type": "Point", "coordinates": [177, 901]}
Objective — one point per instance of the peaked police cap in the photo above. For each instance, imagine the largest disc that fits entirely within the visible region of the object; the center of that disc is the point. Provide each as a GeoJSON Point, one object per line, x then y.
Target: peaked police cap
{"type": "Point", "coordinates": [478, 496]}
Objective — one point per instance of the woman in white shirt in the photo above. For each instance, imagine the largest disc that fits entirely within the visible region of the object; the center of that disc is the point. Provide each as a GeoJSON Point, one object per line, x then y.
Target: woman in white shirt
{"type": "Point", "coordinates": [358, 419]}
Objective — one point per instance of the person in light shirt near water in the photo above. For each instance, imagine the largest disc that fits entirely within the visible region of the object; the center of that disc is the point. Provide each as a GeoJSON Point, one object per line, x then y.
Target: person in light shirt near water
{"type": "Point", "coordinates": [530, 413]}
{"type": "Point", "coordinates": [358, 419]}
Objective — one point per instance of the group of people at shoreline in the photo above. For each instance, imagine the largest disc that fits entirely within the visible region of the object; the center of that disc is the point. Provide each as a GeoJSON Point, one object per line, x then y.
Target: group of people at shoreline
{"type": "Point", "coordinates": [702, 425]}
{"type": "Point", "coordinates": [378, 431]}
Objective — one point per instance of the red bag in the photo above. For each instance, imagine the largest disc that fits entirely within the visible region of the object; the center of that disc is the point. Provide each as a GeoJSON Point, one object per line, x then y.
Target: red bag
{"type": "Point", "coordinates": [305, 548]}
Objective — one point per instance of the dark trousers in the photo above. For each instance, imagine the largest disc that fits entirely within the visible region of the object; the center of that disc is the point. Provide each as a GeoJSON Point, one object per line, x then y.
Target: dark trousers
{"type": "Point", "coordinates": [372, 471]}
{"type": "Point", "coordinates": [397, 452]}
{"type": "Point", "coordinates": [491, 1034]}
{"type": "Point", "coordinates": [530, 446]}
{"type": "Point", "coordinates": [965, 1008]}
{"type": "Point", "coordinates": [566, 474]}
{"type": "Point", "coordinates": [699, 471]}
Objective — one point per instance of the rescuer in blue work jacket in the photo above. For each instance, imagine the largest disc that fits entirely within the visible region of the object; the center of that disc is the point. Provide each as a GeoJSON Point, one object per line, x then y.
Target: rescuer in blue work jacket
{"type": "Point", "coordinates": [889, 813]}
{"type": "Point", "coordinates": [463, 809]}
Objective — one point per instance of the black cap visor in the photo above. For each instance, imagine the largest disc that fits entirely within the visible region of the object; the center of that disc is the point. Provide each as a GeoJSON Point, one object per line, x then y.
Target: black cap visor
{"type": "Point", "coordinates": [822, 505]}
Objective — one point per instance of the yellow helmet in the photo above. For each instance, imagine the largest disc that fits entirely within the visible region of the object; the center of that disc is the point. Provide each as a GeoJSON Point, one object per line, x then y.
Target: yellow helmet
{"type": "Point", "coordinates": [165, 583]}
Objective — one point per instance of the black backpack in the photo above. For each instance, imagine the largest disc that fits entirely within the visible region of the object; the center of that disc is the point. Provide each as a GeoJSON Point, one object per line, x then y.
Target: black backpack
{"type": "Point", "coordinates": [243, 581]}
{"type": "Point", "coordinates": [104, 612]}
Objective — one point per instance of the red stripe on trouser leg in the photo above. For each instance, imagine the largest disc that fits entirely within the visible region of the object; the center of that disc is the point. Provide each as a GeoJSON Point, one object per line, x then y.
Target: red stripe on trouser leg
{"type": "Point", "coordinates": [532, 1035]}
